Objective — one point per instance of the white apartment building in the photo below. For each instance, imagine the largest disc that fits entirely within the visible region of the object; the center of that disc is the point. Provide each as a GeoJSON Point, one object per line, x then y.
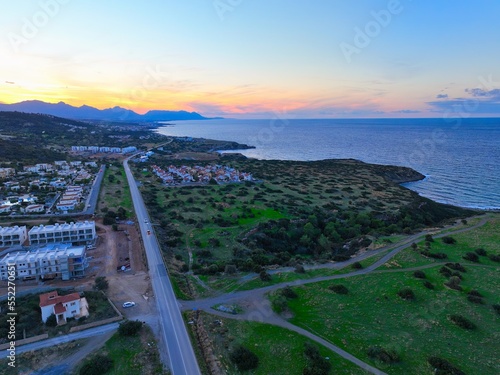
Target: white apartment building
{"type": "Point", "coordinates": [81, 232]}
{"type": "Point", "coordinates": [12, 236]}
{"type": "Point", "coordinates": [54, 261]}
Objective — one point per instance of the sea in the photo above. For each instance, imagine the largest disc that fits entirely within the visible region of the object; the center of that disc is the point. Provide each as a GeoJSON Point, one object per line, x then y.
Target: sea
{"type": "Point", "coordinates": [460, 157]}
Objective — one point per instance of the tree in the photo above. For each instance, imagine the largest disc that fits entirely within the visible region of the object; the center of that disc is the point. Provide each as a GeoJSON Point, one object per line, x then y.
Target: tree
{"type": "Point", "coordinates": [449, 240]}
{"type": "Point", "coordinates": [101, 283]}
{"type": "Point", "coordinates": [244, 359]}
{"type": "Point", "coordinates": [129, 327]}
{"type": "Point", "coordinates": [473, 257]}
{"type": "Point", "coordinates": [407, 294]}
{"type": "Point", "coordinates": [97, 365]}
{"type": "Point", "coordinates": [264, 276]}
{"type": "Point", "coordinates": [51, 321]}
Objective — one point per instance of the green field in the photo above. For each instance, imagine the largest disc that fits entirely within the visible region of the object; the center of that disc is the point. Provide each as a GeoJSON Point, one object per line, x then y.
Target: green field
{"type": "Point", "coordinates": [372, 314]}
{"type": "Point", "coordinates": [280, 351]}
{"type": "Point", "coordinates": [115, 191]}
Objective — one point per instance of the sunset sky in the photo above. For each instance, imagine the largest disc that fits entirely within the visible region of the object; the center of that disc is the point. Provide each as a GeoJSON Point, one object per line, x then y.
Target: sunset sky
{"type": "Point", "coordinates": [251, 58]}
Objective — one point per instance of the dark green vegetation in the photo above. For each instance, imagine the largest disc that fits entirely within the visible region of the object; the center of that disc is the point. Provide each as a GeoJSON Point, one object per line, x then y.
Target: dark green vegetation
{"type": "Point", "coordinates": [115, 200]}
{"type": "Point", "coordinates": [441, 327]}
{"type": "Point", "coordinates": [33, 138]}
{"type": "Point", "coordinates": [301, 211]}
{"type": "Point", "coordinates": [129, 327]}
{"type": "Point", "coordinates": [96, 365]}
{"type": "Point", "coordinates": [29, 316]}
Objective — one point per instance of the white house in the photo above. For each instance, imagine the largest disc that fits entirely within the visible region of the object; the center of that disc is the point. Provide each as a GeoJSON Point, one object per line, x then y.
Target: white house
{"type": "Point", "coordinates": [34, 208]}
{"type": "Point", "coordinates": [63, 307]}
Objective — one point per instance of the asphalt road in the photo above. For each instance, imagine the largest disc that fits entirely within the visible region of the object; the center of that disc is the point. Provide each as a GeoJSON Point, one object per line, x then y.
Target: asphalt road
{"type": "Point", "coordinates": [173, 330]}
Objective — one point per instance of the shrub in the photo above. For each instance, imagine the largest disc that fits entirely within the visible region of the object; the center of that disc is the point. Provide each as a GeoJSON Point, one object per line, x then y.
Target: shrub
{"type": "Point", "coordinates": [433, 255]}
{"type": "Point", "coordinates": [475, 299]}
{"type": "Point", "coordinates": [264, 276]}
{"type": "Point", "coordinates": [129, 327]}
{"type": "Point", "coordinates": [456, 267]}
{"type": "Point", "coordinates": [383, 355]}
{"type": "Point", "coordinates": [101, 283]}
{"type": "Point", "coordinates": [419, 274]}
{"type": "Point", "coordinates": [317, 365]}
{"type": "Point", "coordinates": [51, 321]}
{"type": "Point", "coordinates": [428, 238]}
{"type": "Point", "coordinates": [288, 292]}
{"type": "Point", "coordinates": [496, 307]}
{"type": "Point", "coordinates": [445, 271]}
{"type": "Point", "coordinates": [449, 240]}
{"type": "Point", "coordinates": [454, 283]}
{"type": "Point", "coordinates": [443, 367]}
{"type": "Point", "coordinates": [244, 359]}
{"type": "Point", "coordinates": [494, 257]}
{"type": "Point", "coordinates": [473, 257]}
{"type": "Point", "coordinates": [406, 294]}
{"type": "Point", "coordinates": [230, 269]}
{"type": "Point", "coordinates": [279, 304]}
{"type": "Point", "coordinates": [299, 268]}
{"type": "Point", "coordinates": [475, 293]}
{"type": "Point", "coordinates": [481, 252]}
{"type": "Point", "coordinates": [462, 322]}
{"type": "Point", "coordinates": [339, 289]}
{"type": "Point", "coordinates": [97, 365]}
{"type": "Point", "coordinates": [357, 266]}
{"type": "Point", "coordinates": [428, 284]}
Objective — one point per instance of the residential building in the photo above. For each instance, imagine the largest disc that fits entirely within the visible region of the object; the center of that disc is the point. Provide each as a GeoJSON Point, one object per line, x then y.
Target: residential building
{"type": "Point", "coordinates": [63, 307]}
{"type": "Point", "coordinates": [76, 233]}
{"type": "Point", "coordinates": [32, 208]}
{"type": "Point", "coordinates": [6, 172]}
{"type": "Point", "coordinates": [53, 261]}
{"type": "Point", "coordinates": [5, 208]}
{"type": "Point", "coordinates": [11, 236]}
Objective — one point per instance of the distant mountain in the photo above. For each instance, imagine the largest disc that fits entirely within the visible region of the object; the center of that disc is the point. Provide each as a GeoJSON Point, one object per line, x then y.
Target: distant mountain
{"type": "Point", "coordinates": [86, 112]}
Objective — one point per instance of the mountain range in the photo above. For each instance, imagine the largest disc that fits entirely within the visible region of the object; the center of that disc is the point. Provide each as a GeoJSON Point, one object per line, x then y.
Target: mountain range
{"type": "Point", "coordinates": [86, 112]}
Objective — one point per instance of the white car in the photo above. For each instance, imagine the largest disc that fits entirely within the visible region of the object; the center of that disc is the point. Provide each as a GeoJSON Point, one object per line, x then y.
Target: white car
{"type": "Point", "coordinates": [129, 304]}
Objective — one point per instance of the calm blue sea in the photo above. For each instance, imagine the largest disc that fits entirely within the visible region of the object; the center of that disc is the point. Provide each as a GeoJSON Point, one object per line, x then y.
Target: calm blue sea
{"type": "Point", "coordinates": [461, 159]}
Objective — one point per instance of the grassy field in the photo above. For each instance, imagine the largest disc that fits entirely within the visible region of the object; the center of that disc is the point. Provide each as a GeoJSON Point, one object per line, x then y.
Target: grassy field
{"type": "Point", "coordinates": [372, 313]}
{"type": "Point", "coordinates": [133, 355]}
{"type": "Point", "coordinates": [280, 351]}
{"type": "Point", "coordinates": [115, 191]}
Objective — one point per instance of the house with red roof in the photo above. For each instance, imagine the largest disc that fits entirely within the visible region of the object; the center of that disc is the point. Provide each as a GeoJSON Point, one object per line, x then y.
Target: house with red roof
{"type": "Point", "coordinates": [63, 307]}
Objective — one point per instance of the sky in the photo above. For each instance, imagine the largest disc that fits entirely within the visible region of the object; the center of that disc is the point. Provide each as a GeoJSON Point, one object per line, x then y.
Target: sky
{"type": "Point", "coordinates": [256, 58]}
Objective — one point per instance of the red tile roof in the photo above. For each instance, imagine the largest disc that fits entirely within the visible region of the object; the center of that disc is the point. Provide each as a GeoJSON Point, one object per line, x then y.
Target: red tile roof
{"type": "Point", "coordinates": [59, 308]}
{"type": "Point", "coordinates": [52, 298]}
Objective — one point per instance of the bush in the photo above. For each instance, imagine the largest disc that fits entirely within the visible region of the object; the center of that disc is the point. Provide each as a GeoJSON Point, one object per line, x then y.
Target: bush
{"type": "Point", "coordinates": [475, 293]}
{"type": "Point", "coordinates": [288, 292]}
{"type": "Point", "coordinates": [462, 322]}
{"type": "Point", "coordinates": [51, 321]}
{"type": "Point", "coordinates": [475, 299]}
{"type": "Point", "coordinates": [264, 276]}
{"type": "Point", "coordinates": [129, 327]}
{"type": "Point", "coordinates": [481, 252]}
{"type": "Point", "coordinates": [97, 365]}
{"type": "Point", "coordinates": [299, 268]}
{"type": "Point", "coordinates": [419, 274]}
{"type": "Point", "coordinates": [443, 367]}
{"type": "Point", "coordinates": [101, 283]}
{"type": "Point", "coordinates": [433, 255]}
{"type": "Point", "coordinates": [383, 355]}
{"type": "Point", "coordinates": [357, 266]}
{"type": "Point", "coordinates": [456, 267]}
{"type": "Point", "coordinates": [406, 294]}
{"type": "Point", "coordinates": [316, 364]}
{"type": "Point", "coordinates": [428, 285]}
{"type": "Point", "coordinates": [445, 271]}
{"type": "Point", "coordinates": [244, 359]}
{"type": "Point", "coordinates": [494, 257]}
{"type": "Point", "coordinates": [496, 307]}
{"type": "Point", "coordinates": [454, 283]}
{"type": "Point", "coordinates": [339, 289]}
{"type": "Point", "coordinates": [428, 238]}
{"type": "Point", "coordinates": [449, 240]}
{"type": "Point", "coordinates": [473, 257]}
